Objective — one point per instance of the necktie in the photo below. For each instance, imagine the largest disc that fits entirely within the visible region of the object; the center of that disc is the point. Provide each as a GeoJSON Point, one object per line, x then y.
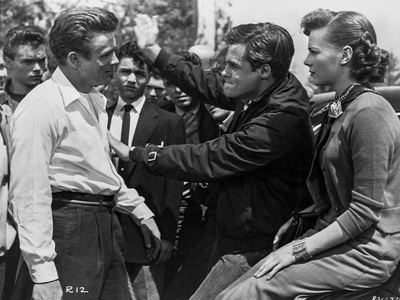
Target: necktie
{"type": "Point", "coordinates": [126, 122]}
{"type": "Point", "coordinates": [191, 127]}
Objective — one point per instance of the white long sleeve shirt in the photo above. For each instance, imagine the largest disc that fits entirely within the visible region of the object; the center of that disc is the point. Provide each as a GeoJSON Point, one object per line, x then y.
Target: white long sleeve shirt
{"type": "Point", "coordinates": [59, 143]}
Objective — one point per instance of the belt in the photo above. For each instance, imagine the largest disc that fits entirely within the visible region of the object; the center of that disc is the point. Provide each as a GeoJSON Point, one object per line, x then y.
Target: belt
{"type": "Point", "coordinates": [84, 199]}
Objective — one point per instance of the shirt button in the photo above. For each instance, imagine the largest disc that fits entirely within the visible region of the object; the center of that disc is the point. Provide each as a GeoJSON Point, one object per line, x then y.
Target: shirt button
{"type": "Point", "coordinates": [336, 208]}
{"type": "Point", "coordinates": [328, 190]}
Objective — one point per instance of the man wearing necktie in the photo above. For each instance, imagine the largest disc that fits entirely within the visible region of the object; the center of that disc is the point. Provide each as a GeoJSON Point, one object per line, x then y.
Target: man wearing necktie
{"type": "Point", "coordinates": [138, 121]}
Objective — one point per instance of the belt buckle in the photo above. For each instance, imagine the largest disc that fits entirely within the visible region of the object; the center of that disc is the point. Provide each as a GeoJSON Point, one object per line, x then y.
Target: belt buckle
{"type": "Point", "coordinates": [109, 204]}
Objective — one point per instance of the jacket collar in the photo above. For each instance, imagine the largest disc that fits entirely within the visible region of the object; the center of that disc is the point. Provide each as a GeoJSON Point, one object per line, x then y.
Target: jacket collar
{"type": "Point", "coordinates": [284, 93]}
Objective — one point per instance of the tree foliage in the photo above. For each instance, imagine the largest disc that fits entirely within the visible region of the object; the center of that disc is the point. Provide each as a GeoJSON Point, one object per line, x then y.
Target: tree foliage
{"type": "Point", "coordinates": [177, 21]}
{"type": "Point", "coordinates": [24, 12]}
{"type": "Point", "coordinates": [177, 18]}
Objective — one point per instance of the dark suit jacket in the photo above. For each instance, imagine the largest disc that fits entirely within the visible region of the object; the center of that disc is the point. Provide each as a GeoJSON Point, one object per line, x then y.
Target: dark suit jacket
{"type": "Point", "coordinates": [208, 128]}
{"type": "Point", "coordinates": [162, 195]}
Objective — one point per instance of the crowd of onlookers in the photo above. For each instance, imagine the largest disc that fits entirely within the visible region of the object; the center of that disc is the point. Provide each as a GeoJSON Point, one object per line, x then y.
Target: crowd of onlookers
{"type": "Point", "coordinates": [183, 184]}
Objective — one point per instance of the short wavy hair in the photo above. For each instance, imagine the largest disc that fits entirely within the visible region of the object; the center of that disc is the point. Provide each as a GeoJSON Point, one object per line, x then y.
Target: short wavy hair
{"type": "Point", "coordinates": [23, 35]}
{"type": "Point", "coordinates": [74, 29]}
{"type": "Point", "coordinates": [266, 43]}
{"type": "Point", "coordinates": [132, 50]}
{"type": "Point", "coordinates": [349, 28]}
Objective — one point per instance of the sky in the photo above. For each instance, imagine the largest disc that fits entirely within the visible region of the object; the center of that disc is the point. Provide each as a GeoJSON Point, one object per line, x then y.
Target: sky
{"type": "Point", "coordinates": [383, 14]}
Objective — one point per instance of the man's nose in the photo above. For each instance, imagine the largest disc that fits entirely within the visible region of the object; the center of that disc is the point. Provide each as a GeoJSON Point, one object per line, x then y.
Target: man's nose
{"type": "Point", "coordinates": [152, 92]}
{"type": "Point", "coordinates": [132, 77]}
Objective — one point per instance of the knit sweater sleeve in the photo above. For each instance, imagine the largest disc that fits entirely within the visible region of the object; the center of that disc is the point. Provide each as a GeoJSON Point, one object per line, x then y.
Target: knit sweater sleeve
{"type": "Point", "coordinates": [371, 139]}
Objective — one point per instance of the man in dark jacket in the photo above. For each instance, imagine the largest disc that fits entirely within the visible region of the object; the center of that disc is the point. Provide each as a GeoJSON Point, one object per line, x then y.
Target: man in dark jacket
{"type": "Point", "coordinates": [147, 124]}
{"type": "Point", "coordinates": [261, 163]}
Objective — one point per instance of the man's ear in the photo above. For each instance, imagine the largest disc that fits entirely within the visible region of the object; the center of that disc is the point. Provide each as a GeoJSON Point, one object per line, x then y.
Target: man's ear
{"type": "Point", "coordinates": [265, 71]}
{"type": "Point", "coordinates": [347, 54]}
{"type": "Point", "coordinates": [73, 59]}
{"type": "Point", "coordinates": [9, 63]}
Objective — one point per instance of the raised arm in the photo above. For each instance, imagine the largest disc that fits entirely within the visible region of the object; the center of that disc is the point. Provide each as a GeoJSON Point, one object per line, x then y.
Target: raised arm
{"type": "Point", "coordinates": [190, 78]}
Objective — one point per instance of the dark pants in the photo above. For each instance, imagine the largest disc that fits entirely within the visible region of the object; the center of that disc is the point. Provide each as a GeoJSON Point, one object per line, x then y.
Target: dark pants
{"type": "Point", "coordinates": [8, 270]}
{"type": "Point", "coordinates": [185, 270]}
{"type": "Point", "coordinates": [89, 258]}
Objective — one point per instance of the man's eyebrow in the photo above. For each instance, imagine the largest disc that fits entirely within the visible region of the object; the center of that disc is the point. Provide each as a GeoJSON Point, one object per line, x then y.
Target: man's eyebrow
{"type": "Point", "coordinates": [108, 52]}
{"type": "Point", "coordinates": [33, 59]}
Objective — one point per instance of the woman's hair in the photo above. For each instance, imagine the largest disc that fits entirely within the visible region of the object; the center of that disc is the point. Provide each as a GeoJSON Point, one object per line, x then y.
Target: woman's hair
{"type": "Point", "coordinates": [349, 28]}
{"type": "Point", "coordinates": [74, 29]}
{"type": "Point", "coordinates": [265, 43]}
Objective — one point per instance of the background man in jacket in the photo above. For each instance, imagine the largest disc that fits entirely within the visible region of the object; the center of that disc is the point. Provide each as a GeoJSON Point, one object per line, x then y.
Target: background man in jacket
{"type": "Point", "coordinates": [146, 123]}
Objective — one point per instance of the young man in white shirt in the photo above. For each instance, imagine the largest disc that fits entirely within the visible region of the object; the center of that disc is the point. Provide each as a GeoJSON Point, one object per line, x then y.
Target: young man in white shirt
{"type": "Point", "coordinates": [64, 185]}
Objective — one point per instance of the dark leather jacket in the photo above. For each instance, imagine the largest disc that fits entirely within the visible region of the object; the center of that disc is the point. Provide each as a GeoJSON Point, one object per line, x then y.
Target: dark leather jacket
{"type": "Point", "coordinates": [261, 164]}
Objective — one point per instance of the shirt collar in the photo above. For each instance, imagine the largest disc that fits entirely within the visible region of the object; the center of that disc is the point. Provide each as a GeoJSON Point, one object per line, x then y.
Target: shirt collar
{"type": "Point", "coordinates": [181, 112]}
{"type": "Point", "coordinates": [138, 104]}
{"type": "Point", "coordinates": [70, 93]}
{"type": "Point", "coordinates": [5, 99]}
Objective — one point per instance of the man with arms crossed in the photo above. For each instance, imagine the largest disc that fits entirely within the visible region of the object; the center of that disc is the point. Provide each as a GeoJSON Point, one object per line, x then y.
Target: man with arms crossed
{"type": "Point", "coordinates": [63, 183]}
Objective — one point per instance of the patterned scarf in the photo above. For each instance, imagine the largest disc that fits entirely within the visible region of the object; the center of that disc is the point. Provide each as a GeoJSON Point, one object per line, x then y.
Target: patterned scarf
{"type": "Point", "coordinates": [335, 107]}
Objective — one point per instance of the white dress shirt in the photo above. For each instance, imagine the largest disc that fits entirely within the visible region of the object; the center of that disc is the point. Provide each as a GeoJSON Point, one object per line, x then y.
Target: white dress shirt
{"type": "Point", "coordinates": [116, 121]}
{"type": "Point", "coordinates": [59, 144]}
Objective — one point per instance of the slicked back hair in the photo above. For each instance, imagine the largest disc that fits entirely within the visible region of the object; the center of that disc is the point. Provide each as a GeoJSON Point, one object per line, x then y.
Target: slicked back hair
{"type": "Point", "coordinates": [74, 29]}
{"type": "Point", "coordinates": [266, 43]}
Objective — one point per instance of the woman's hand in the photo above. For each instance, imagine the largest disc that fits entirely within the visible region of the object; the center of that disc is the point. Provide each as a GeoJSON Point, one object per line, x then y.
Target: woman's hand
{"type": "Point", "coordinates": [120, 148]}
{"type": "Point", "coordinates": [276, 261]}
{"type": "Point", "coordinates": [284, 228]}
